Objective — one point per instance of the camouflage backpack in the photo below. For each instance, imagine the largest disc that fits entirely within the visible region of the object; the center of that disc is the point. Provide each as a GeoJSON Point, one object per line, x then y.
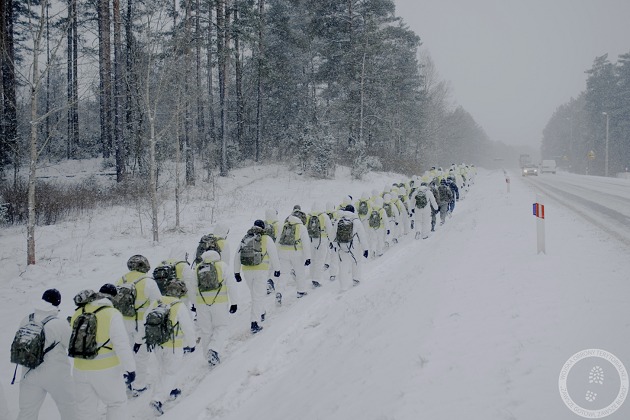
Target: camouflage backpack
{"type": "Point", "coordinates": [208, 242]}
{"type": "Point", "coordinates": [83, 344]}
{"type": "Point", "coordinates": [125, 299]}
{"type": "Point", "coordinates": [363, 208]}
{"type": "Point", "coordinates": [444, 192]}
{"type": "Point", "coordinates": [388, 209]}
{"type": "Point", "coordinates": [287, 237]}
{"type": "Point", "coordinates": [270, 229]}
{"type": "Point", "coordinates": [27, 348]}
{"type": "Point", "coordinates": [375, 219]}
{"type": "Point", "coordinates": [158, 326]}
{"type": "Point", "coordinates": [165, 273]}
{"type": "Point", "coordinates": [344, 231]}
{"type": "Point", "coordinates": [207, 277]}
{"type": "Point", "coordinates": [176, 288]}
{"type": "Point", "coordinates": [251, 247]}
{"type": "Point", "coordinates": [314, 227]}
{"type": "Point", "coordinates": [421, 200]}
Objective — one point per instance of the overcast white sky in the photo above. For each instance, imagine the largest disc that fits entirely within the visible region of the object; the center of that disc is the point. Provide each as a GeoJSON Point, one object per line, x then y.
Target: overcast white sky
{"type": "Point", "coordinates": [511, 63]}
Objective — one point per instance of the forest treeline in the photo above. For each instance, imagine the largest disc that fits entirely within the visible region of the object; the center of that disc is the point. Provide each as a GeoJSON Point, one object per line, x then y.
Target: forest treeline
{"type": "Point", "coordinates": [576, 133]}
{"type": "Point", "coordinates": [213, 83]}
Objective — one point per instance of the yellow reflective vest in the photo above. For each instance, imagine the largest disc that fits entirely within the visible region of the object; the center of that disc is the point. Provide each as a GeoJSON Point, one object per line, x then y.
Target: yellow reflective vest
{"type": "Point", "coordinates": [106, 357]}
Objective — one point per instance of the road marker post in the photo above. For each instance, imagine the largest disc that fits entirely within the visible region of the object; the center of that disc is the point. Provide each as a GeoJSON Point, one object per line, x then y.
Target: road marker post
{"type": "Point", "coordinates": [538, 209]}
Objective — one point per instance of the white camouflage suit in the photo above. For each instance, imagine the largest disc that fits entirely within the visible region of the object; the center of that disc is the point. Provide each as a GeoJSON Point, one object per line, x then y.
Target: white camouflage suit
{"type": "Point", "coordinates": [294, 257]}
{"type": "Point", "coordinates": [351, 254]}
{"type": "Point", "coordinates": [96, 383]}
{"type": "Point", "coordinates": [422, 217]}
{"type": "Point", "coordinates": [320, 246]}
{"type": "Point", "coordinates": [213, 306]}
{"type": "Point", "coordinates": [256, 276]}
{"type": "Point", "coordinates": [170, 355]}
{"type": "Point", "coordinates": [53, 375]}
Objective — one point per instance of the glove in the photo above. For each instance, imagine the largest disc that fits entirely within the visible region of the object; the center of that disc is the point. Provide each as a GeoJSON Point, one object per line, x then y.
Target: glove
{"type": "Point", "coordinates": [238, 277]}
{"type": "Point", "coordinates": [136, 348]}
{"type": "Point", "coordinates": [276, 273]}
{"type": "Point", "coordinates": [365, 253]}
{"type": "Point", "coordinates": [307, 262]}
{"type": "Point", "coordinates": [129, 377]}
{"type": "Point", "coordinates": [188, 350]}
{"type": "Point", "coordinates": [232, 309]}
{"type": "Point", "coordinates": [396, 223]}
{"type": "Point", "coordinates": [193, 309]}
{"type": "Point", "coordinates": [388, 231]}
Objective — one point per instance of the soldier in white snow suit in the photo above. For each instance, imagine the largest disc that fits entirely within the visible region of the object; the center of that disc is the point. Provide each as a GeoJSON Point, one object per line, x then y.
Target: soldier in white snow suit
{"type": "Point", "coordinates": [103, 378]}
{"type": "Point", "coordinates": [363, 207]}
{"type": "Point", "coordinates": [331, 263]}
{"type": "Point", "coordinates": [394, 217]}
{"type": "Point", "coordinates": [53, 375]}
{"type": "Point", "coordinates": [272, 227]}
{"type": "Point", "coordinates": [320, 231]}
{"type": "Point", "coordinates": [352, 248]}
{"type": "Point", "coordinates": [294, 251]}
{"type": "Point", "coordinates": [424, 204]}
{"type": "Point", "coordinates": [214, 305]}
{"type": "Point", "coordinates": [147, 292]}
{"type": "Point", "coordinates": [255, 275]}
{"type": "Point", "coordinates": [378, 230]}
{"type": "Point", "coordinates": [171, 354]}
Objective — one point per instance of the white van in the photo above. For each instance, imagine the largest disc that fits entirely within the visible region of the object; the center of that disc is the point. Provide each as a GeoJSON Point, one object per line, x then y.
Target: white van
{"type": "Point", "coordinates": [548, 166]}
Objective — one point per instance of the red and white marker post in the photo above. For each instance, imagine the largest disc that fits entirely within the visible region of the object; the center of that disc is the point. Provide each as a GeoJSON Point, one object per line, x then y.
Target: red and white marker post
{"type": "Point", "coordinates": [538, 210]}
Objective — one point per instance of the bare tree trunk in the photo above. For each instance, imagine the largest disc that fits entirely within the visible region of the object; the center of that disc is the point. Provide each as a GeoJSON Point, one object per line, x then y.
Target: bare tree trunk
{"type": "Point", "coordinates": [105, 73]}
{"type": "Point", "coordinates": [259, 84]}
{"type": "Point", "coordinates": [8, 124]}
{"type": "Point", "coordinates": [201, 125]}
{"type": "Point", "coordinates": [212, 129]}
{"type": "Point", "coordinates": [190, 158]}
{"type": "Point", "coordinates": [222, 65]}
{"type": "Point", "coordinates": [153, 179]}
{"type": "Point", "coordinates": [240, 106]}
{"type": "Point", "coordinates": [118, 110]}
{"type": "Point", "coordinates": [70, 82]}
{"type": "Point", "coordinates": [35, 84]}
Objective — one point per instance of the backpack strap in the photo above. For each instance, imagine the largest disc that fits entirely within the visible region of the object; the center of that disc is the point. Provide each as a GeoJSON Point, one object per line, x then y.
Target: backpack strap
{"type": "Point", "coordinates": [214, 299]}
{"type": "Point", "coordinates": [100, 308]}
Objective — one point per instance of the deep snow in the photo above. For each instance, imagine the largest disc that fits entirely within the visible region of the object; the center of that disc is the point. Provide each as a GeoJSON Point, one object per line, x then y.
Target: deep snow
{"type": "Point", "coordinates": [470, 323]}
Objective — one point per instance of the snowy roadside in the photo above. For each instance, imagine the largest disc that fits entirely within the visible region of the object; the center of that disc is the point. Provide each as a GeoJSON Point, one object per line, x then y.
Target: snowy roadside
{"type": "Point", "coordinates": [470, 323]}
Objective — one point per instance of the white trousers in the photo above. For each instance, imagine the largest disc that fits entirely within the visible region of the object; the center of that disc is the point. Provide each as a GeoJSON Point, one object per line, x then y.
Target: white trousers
{"type": "Point", "coordinates": [319, 250]}
{"type": "Point", "coordinates": [422, 219]}
{"type": "Point", "coordinates": [349, 268]}
{"type": "Point", "coordinates": [257, 282]}
{"type": "Point", "coordinates": [212, 321]}
{"type": "Point", "coordinates": [142, 358]}
{"type": "Point", "coordinates": [377, 240]}
{"type": "Point", "coordinates": [47, 379]}
{"type": "Point", "coordinates": [105, 385]}
{"type": "Point", "coordinates": [291, 260]}
{"type": "Point", "coordinates": [169, 363]}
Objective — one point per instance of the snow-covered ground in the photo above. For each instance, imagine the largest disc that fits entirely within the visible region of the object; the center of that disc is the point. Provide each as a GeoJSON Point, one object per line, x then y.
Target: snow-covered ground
{"type": "Point", "coordinates": [471, 323]}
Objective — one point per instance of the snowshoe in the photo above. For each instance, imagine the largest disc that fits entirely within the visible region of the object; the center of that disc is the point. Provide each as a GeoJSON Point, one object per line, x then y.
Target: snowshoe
{"type": "Point", "coordinates": [255, 327]}
{"type": "Point", "coordinates": [355, 282]}
{"type": "Point", "coordinates": [213, 358]}
{"type": "Point", "coordinates": [262, 317]}
{"type": "Point", "coordinates": [270, 286]}
{"type": "Point", "coordinates": [316, 284]}
{"type": "Point", "coordinates": [279, 299]}
{"type": "Point", "coordinates": [417, 235]}
{"type": "Point", "coordinates": [301, 294]}
{"type": "Point", "coordinates": [157, 407]}
{"type": "Point", "coordinates": [175, 393]}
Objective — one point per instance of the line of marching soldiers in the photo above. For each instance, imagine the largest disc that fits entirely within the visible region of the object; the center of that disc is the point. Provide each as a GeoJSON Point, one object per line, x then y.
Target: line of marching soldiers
{"type": "Point", "coordinates": [165, 314]}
